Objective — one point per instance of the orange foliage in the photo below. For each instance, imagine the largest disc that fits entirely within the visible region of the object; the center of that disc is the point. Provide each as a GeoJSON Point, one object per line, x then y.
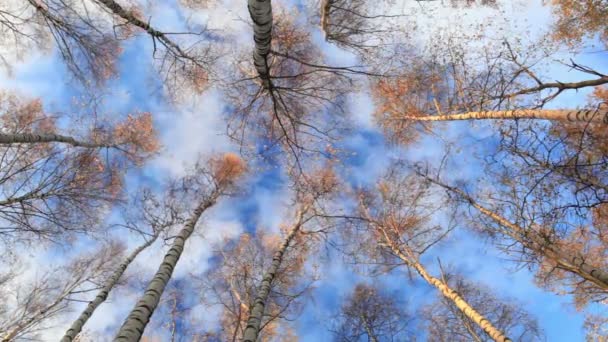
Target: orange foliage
{"type": "Point", "coordinates": [28, 117]}
{"type": "Point", "coordinates": [199, 79]}
{"type": "Point", "coordinates": [578, 19]}
{"type": "Point", "coordinates": [590, 243]}
{"type": "Point", "coordinates": [227, 168]}
{"type": "Point", "coordinates": [91, 173]}
{"type": "Point", "coordinates": [138, 133]}
{"type": "Point", "coordinates": [323, 181]}
{"type": "Point", "coordinates": [395, 99]}
{"type": "Point", "coordinates": [105, 64]}
{"type": "Point", "coordinates": [590, 142]}
{"type": "Point", "coordinates": [596, 327]}
{"type": "Point", "coordinates": [600, 94]}
{"type": "Point", "coordinates": [242, 267]}
{"type": "Point", "coordinates": [288, 36]}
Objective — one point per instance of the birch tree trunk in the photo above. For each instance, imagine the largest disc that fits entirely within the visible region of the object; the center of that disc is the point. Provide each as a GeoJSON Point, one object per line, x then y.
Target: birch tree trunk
{"type": "Point", "coordinates": [582, 115]}
{"type": "Point", "coordinates": [252, 330]}
{"type": "Point", "coordinates": [460, 303]}
{"type": "Point", "coordinates": [261, 15]}
{"type": "Point", "coordinates": [529, 238]}
{"type": "Point", "coordinates": [133, 327]}
{"type": "Point", "coordinates": [572, 263]}
{"type": "Point", "coordinates": [368, 330]}
{"type": "Point", "coordinates": [77, 325]}
{"type": "Point", "coordinates": [32, 138]}
{"type": "Point", "coordinates": [325, 7]}
{"type": "Point", "coordinates": [452, 295]}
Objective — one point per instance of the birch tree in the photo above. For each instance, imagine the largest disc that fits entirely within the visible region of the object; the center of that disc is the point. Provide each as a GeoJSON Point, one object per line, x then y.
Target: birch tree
{"type": "Point", "coordinates": [370, 31]}
{"type": "Point", "coordinates": [55, 184]}
{"type": "Point", "coordinates": [452, 80]}
{"type": "Point", "coordinates": [90, 35]}
{"type": "Point", "coordinates": [159, 220]}
{"type": "Point", "coordinates": [286, 94]}
{"type": "Point", "coordinates": [32, 306]}
{"type": "Point", "coordinates": [573, 260]}
{"type": "Point", "coordinates": [444, 322]}
{"type": "Point", "coordinates": [204, 187]}
{"type": "Point", "coordinates": [394, 221]}
{"type": "Point", "coordinates": [232, 286]}
{"type": "Point", "coordinates": [84, 41]}
{"type": "Point", "coordinates": [311, 190]}
{"type": "Point", "coordinates": [372, 314]}
{"type": "Point", "coordinates": [184, 60]}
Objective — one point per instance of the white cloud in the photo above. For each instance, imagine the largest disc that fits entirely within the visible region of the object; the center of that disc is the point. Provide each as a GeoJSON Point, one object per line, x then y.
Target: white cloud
{"type": "Point", "coordinates": [195, 128]}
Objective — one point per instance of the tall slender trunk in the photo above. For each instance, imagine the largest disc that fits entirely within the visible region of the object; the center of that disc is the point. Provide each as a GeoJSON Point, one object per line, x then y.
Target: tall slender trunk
{"type": "Point", "coordinates": [531, 239]}
{"type": "Point", "coordinates": [133, 327]}
{"type": "Point", "coordinates": [368, 330]}
{"type": "Point", "coordinates": [448, 293]}
{"type": "Point", "coordinates": [261, 15]}
{"type": "Point", "coordinates": [569, 115]}
{"type": "Point", "coordinates": [252, 330]}
{"type": "Point", "coordinates": [102, 295]}
{"type": "Point", "coordinates": [460, 303]}
{"type": "Point", "coordinates": [32, 138]}
{"type": "Point", "coordinates": [573, 263]}
{"type": "Point", "coordinates": [325, 7]}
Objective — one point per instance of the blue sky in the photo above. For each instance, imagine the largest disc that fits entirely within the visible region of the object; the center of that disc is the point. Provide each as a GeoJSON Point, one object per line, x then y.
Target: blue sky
{"type": "Point", "coordinates": [196, 126]}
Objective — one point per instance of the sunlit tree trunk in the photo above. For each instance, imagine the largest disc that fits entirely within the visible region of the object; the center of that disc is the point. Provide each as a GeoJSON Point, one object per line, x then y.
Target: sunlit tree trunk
{"type": "Point", "coordinates": [325, 7]}
{"type": "Point", "coordinates": [572, 263]}
{"type": "Point", "coordinates": [368, 330]}
{"type": "Point", "coordinates": [76, 327]}
{"type": "Point", "coordinates": [583, 115]}
{"type": "Point", "coordinates": [261, 15]}
{"type": "Point", "coordinates": [254, 322]}
{"type": "Point", "coordinates": [450, 294]}
{"type": "Point", "coordinates": [133, 327]}
{"type": "Point", "coordinates": [531, 239]}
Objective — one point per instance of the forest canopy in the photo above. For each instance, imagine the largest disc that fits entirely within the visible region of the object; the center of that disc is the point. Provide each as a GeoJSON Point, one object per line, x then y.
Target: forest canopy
{"type": "Point", "coordinates": [321, 170]}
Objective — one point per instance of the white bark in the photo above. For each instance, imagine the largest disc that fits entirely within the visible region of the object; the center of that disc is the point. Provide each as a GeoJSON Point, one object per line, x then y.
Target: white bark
{"type": "Point", "coordinates": [33, 138]}
{"type": "Point", "coordinates": [252, 330]}
{"type": "Point", "coordinates": [261, 15]}
{"type": "Point", "coordinates": [568, 115]}
{"type": "Point", "coordinates": [77, 325]}
{"type": "Point", "coordinates": [532, 240]}
{"type": "Point", "coordinates": [133, 327]}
